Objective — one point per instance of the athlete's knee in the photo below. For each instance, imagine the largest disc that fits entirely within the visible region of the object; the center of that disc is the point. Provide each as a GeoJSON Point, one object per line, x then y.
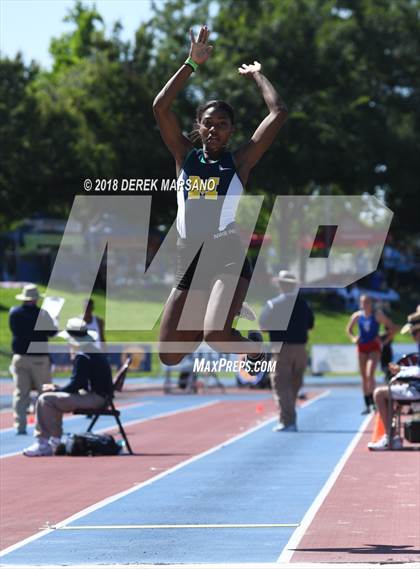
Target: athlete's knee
{"type": "Point", "coordinates": [170, 359]}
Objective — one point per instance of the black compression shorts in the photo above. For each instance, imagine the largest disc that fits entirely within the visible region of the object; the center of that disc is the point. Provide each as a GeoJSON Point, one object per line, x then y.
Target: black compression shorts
{"type": "Point", "coordinates": [224, 255]}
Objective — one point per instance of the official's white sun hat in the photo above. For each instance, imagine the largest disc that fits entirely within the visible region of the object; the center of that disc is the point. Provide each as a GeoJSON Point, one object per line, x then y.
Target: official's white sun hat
{"type": "Point", "coordinates": [29, 292]}
{"type": "Point", "coordinates": [286, 277]}
{"type": "Point", "coordinates": [77, 333]}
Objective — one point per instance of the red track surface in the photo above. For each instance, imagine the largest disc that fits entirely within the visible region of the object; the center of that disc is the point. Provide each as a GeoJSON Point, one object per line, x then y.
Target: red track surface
{"type": "Point", "coordinates": [371, 514]}
{"type": "Point", "coordinates": [124, 399]}
{"type": "Point", "coordinates": [37, 490]}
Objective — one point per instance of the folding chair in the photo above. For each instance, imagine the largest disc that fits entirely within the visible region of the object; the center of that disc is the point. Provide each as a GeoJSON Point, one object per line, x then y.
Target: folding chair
{"type": "Point", "coordinates": [396, 405]}
{"type": "Point", "coordinates": [109, 407]}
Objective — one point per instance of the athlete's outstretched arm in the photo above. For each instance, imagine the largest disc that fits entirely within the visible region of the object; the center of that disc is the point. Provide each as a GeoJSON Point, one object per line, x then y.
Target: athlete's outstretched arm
{"type": "Point", "coordinates": [349, 328]}
{"type": "Point", "coordinates": [169, 127]}
{"type": "Point", "coordinates": [248, 155]}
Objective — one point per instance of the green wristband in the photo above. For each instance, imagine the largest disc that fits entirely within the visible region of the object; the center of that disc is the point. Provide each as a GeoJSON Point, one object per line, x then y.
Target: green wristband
{"type": "Point", "coordinates": [191, 63]}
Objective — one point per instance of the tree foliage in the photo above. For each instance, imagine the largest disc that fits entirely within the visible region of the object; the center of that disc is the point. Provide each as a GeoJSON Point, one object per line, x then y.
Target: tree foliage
{"type": "Point", "coordinates": [348, 70]}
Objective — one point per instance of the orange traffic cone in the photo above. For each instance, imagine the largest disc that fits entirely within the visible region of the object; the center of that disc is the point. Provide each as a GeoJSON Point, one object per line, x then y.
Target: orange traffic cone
{"type": "Point", "coordinates": [378, 429]}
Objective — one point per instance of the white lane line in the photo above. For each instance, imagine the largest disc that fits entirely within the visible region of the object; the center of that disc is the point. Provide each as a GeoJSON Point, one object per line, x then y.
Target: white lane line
{"type": "Point", "coordinates": [314, 399]}
{"type": "Point", "coordinates": [288, 551]}
{"type": "Point", "coordinates": [171, 526]}
{"type": "Point", "coordinates": [136, 487]}
{"type": "Point", "coordinates": [134, 422]}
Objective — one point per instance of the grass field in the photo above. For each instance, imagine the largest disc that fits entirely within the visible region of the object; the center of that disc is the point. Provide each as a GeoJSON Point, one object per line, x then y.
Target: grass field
{"type": "Point", "coordinates": [329, 324]}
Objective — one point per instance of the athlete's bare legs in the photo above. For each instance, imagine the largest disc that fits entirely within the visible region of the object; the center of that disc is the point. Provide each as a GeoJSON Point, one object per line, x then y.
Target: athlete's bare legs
{"type": "Point", "coordinates": [221, 311]}
{"type": "Point", "coordinates": [188, 339]}
{"type": "Point", "coordinates": [208, 318]}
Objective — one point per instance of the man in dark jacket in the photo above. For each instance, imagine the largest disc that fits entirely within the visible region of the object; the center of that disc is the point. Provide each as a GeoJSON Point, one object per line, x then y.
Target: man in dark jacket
{"type": "Point", "coordinates": [29, 370]}
{"type": "Point", "coordinates": [91, 374]}
{"type": "Point", "coordinates": [288, 346]}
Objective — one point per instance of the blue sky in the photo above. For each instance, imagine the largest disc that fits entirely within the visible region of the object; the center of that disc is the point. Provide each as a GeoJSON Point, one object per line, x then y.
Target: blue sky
{"type": "Point", "coordinates": [29, 25]}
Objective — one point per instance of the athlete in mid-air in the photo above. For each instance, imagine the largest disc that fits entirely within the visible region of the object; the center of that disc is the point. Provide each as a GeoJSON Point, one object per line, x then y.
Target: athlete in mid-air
{"type": "Point", "coordinates": [211, 180]}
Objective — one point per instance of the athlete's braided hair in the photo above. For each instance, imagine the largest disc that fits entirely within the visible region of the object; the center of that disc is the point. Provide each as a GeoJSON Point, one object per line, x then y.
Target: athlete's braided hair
{"type": "Point", "coordinates": [217, 104]}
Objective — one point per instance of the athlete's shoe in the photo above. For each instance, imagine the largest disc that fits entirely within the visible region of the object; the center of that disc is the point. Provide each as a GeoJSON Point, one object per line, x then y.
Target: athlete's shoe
{"type": "Point", "coordinates": [254, 362]}
{"type": "Point", "coordinates": [247, 312]}
{"type": "Point", "coordinates": [383, 444]}
{"type": "Point", "coordinates": [41, 447]}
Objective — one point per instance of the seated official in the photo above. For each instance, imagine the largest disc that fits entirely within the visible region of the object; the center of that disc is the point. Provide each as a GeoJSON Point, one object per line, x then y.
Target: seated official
{"type": "Point", "coordinates": [405, 385]}
{"type": "Point", "coordinates": [89, 387]}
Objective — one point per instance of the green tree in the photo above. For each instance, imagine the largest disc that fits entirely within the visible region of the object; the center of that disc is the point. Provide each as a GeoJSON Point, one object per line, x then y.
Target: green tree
{"type": "Point", "coordinates": [349, 72]}
{"type": "Point", "coordinates": [17, 113]}
{"type": "Point", "coordinates": [82, 42]}
{"type": "Point", "coordinates": [89, 117]}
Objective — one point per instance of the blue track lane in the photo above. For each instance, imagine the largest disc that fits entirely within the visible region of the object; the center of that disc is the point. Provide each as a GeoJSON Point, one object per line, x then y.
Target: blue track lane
{"type": "Point", "coordinates": [264, 477]}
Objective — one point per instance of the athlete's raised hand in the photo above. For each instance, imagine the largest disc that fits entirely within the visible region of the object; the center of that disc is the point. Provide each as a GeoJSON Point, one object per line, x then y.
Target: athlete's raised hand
{"type": "Point", "coordinates": [200, 51]}
{"type": "Point", "coordinates": [249, 70]}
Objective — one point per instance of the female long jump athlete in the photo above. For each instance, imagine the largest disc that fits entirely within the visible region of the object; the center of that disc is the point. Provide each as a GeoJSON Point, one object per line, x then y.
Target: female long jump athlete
{"type": "Point", "coordinates": [368, 344]}
{"type": "Point", "coordinates": [209, 215]}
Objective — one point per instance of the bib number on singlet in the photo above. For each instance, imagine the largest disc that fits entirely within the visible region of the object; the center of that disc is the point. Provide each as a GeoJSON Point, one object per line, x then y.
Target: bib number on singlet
{"type": "Point", "coordinates": [197, 187]}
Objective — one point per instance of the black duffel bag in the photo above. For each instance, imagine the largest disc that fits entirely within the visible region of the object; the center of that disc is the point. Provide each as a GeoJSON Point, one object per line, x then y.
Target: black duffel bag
{"type": "Point", "coordinates": [90, 444]}
{"type": "Point", "coordinates": [412, 431]}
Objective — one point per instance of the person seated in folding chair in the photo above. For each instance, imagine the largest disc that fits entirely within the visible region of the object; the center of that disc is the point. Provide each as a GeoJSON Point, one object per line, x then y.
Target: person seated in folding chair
{"type": "Point", "coordinates": [405, 386]}
{"type": "Point", "coordinates": [89, 387]}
